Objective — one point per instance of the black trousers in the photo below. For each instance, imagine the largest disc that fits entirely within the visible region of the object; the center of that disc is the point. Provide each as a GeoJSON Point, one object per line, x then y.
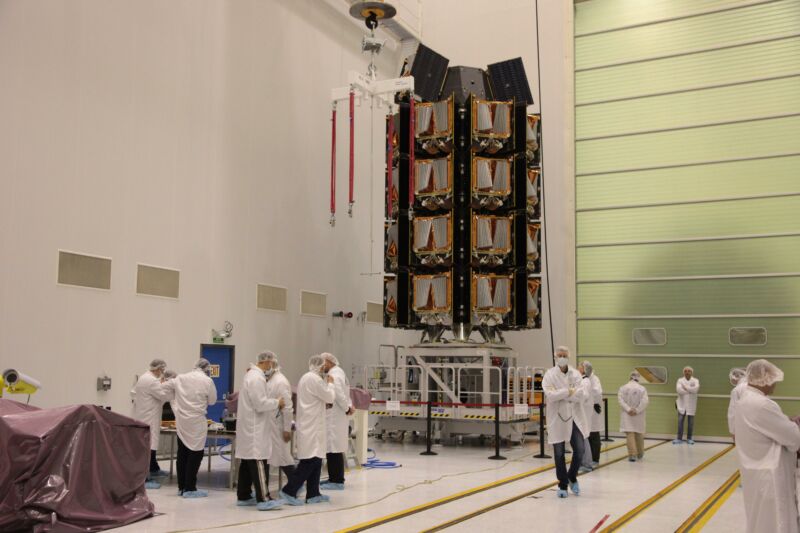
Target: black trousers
{"type": "Point", "coordinates": [288, 470]}
{"type": "Point", "coordinates": [188, 464]}
{"type": "Point", "coordinates": [594, 444]}
{"type": "Point", "coordinates": [308, 472]}
{"type": "Point", "coordinates": [153, 463]}
{"type": "Point", "coordinates": [566, 476]}
{"type": "Point", "coordinates": [335, 467]}
{"type": "Point", "coordinates": [253, 474]}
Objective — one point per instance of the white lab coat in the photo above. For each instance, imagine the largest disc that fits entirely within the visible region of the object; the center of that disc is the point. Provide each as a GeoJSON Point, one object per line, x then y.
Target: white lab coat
{"type": "Point", "coordinates": [193, 393]}
{"type": "Point", "coordinates": [252, 417]}
{"type": "Point", "coordinates": [149, 396]}
{"type": "Point", "coordinates": [687, 395]}
{"type": "Point", "coordinates": [313, 393]}
{"type": "Point", "coordinates": [736, 395]}
{"type": "Point", "coordinates": [278, 387]}
{"type": "Point", "coordinates": [588, 401]}
{"type": "Point", "coordinates": [595, 420]}
{"type": "Point", "coordinates": [632, 396]}
{"type": "Point", "coordinates": [563, 409]}
{"type": "Point", "coordinates": [337, 421]}
{"type": "Point", "coordinates": [767, 443]}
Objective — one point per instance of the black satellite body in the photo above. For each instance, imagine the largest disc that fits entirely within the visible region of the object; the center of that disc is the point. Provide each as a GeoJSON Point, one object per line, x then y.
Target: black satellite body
{"type": "Point", "coordinates": [463, 203]}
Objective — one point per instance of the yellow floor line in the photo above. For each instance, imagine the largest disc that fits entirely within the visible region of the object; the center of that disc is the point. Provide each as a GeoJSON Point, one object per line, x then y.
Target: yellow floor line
{"type": "Point", "coordinates": [633, 513]}
{"type": "Point", "coordinates": [709, 508]}
{"type": "Point", "coordinates": [458, 495]}
{"type": "Point", "coordinates": [513, 499]}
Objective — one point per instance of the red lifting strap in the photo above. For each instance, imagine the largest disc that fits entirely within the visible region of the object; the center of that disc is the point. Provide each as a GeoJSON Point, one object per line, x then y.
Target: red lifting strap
{"type": "Point", "coordinates": [352, 145]}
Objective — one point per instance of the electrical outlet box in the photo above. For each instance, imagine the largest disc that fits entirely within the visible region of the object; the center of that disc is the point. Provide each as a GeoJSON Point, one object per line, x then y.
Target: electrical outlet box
{"type": "Point", "coordinates": [104, 383]}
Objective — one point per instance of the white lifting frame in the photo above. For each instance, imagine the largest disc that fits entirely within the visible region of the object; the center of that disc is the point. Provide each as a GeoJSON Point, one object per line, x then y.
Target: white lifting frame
{"type": "Point", "coordinates": [364, 87]}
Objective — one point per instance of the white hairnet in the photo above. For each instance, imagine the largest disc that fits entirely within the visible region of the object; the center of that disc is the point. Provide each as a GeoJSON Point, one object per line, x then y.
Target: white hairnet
{"type": "Point", "coordinates": [169, 374]}
{"type": "Point", "coordinates": [158, 364]}
{"type": "Point", "coordinates": [315, 363]}
{"type": "Point", "coordinates": [202, 364]}
{"type": "Point", "coordinates": [330, 358]}
{"type": "Point", "coordinates": [561, 350]}
{"type": "Point", "coordinates": [268, 356]}
{"type": "Point", "coordinates": [587, 368]}
{"type": "Point", "coordinates": [762, 373]}
{"type": "Point", "coordinates": [635, 376]}
{"type": "Point", "coordinates": [690, 369]}
{"type": "Point", "coordinates": [737, 374]}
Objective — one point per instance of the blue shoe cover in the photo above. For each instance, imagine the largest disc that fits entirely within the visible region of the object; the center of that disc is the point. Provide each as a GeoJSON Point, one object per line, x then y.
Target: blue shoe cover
{"type": "Point", "coordinates": [246, 503]}
{"type": "Point", "coordinates": [561, 493]}
{"type": "Point", "coordinates": [152, 484]}
{"type": "Point", "coordinates": [575, 488]}
{"type": "Point", "coordinates": [291, 500]}
{"type": "Point", "coordinates": [195, 494]}
{"type": "Point", "coordinates": [269, 505]}
{"type": "Point", "coordinates": [319, 499]}
{"type": "Point", "coordinates": [331, 486]}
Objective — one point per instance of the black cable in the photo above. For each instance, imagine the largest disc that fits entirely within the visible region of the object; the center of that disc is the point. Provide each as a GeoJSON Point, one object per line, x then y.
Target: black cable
{"type": "Point", "coordinates": [544, 178]}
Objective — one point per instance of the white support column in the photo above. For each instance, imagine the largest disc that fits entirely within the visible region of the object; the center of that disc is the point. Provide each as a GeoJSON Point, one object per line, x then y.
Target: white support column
{"type": "Point", "coordinates": [361, 420]}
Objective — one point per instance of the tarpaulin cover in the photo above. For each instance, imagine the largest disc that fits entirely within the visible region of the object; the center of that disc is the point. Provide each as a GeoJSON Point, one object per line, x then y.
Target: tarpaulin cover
{"type": "Point", "coordinates": [232, 403]}
{"type": "Point", "coordinates": [78, 468]}
{"type": "Point", "coordinates": [360, 398]}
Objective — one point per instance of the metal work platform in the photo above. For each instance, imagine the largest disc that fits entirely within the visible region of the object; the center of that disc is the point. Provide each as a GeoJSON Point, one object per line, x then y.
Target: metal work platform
{"type": "Point", "coordinates": [467, 385]}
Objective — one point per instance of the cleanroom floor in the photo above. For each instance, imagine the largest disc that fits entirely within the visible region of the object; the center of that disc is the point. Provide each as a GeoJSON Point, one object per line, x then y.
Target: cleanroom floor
{"type": "Point", "coordinates": [405, 499]}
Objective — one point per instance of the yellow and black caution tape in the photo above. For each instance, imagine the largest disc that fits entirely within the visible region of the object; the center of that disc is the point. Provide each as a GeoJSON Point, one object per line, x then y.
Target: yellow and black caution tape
{"type": "Point", "coordinates": [440, 415]}
{"type": "Point", "coordinates": [382, 413]}
{"type": "Point", "coordinates": [479, 417]}
{"type": "Point", "coordinates": [633, 513]}
{"type": "Point", "coordinates": [709, 508]}
{"type": "Point", "coordinates": [409, 414]}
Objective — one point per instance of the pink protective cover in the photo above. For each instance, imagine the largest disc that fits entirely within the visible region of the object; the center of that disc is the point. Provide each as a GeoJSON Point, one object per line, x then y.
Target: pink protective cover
{"type": "Point", "coordinates": [69, 469]}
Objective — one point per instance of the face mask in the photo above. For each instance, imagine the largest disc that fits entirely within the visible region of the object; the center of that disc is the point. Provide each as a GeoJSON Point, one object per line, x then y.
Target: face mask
{"type": "Point", "coordinates": [268, 373]}
{"type": "Point", "coordinates": [562, 362]}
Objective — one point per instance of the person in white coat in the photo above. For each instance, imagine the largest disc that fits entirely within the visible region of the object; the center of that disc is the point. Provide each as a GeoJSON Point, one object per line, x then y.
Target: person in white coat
{"type": "Point", "coordinates": [633, 403]}
{"type": "Point", "coordinates": [193, 392]}
{"type": "Point", "coordinates": [337, 424]}
{"type": "Point", "coordinates": [149, 396]}
{"type": "Point", "coordinates": [253, 439]}
{"type": "Point", "coordinates": [565, 419]}
{"type": "Point", "coordinates": [593, 398]}
{"type": "Point", "coordinates": [687, 388]}
{"type": "Point", "coordinates": [314, 393]}
{"type": "Point", "coordinates": [280, 425]}
{"type": "Point", "coordinates": [739, 381]}
{"type": "Point", "coordinates": [766, 443]}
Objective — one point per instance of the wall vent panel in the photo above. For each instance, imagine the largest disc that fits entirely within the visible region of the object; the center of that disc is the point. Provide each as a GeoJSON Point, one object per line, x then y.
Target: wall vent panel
{"type": "Point", "coordinates": [375, 312]}
{"type": "Point", "coordinates": [84, 270]}
{"type": "Point", "coordinates": [157, 281]}
{"type": "Point", "coordinates": [313, 303]}
{"type": "Point", "coordinates": [271, 298]}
